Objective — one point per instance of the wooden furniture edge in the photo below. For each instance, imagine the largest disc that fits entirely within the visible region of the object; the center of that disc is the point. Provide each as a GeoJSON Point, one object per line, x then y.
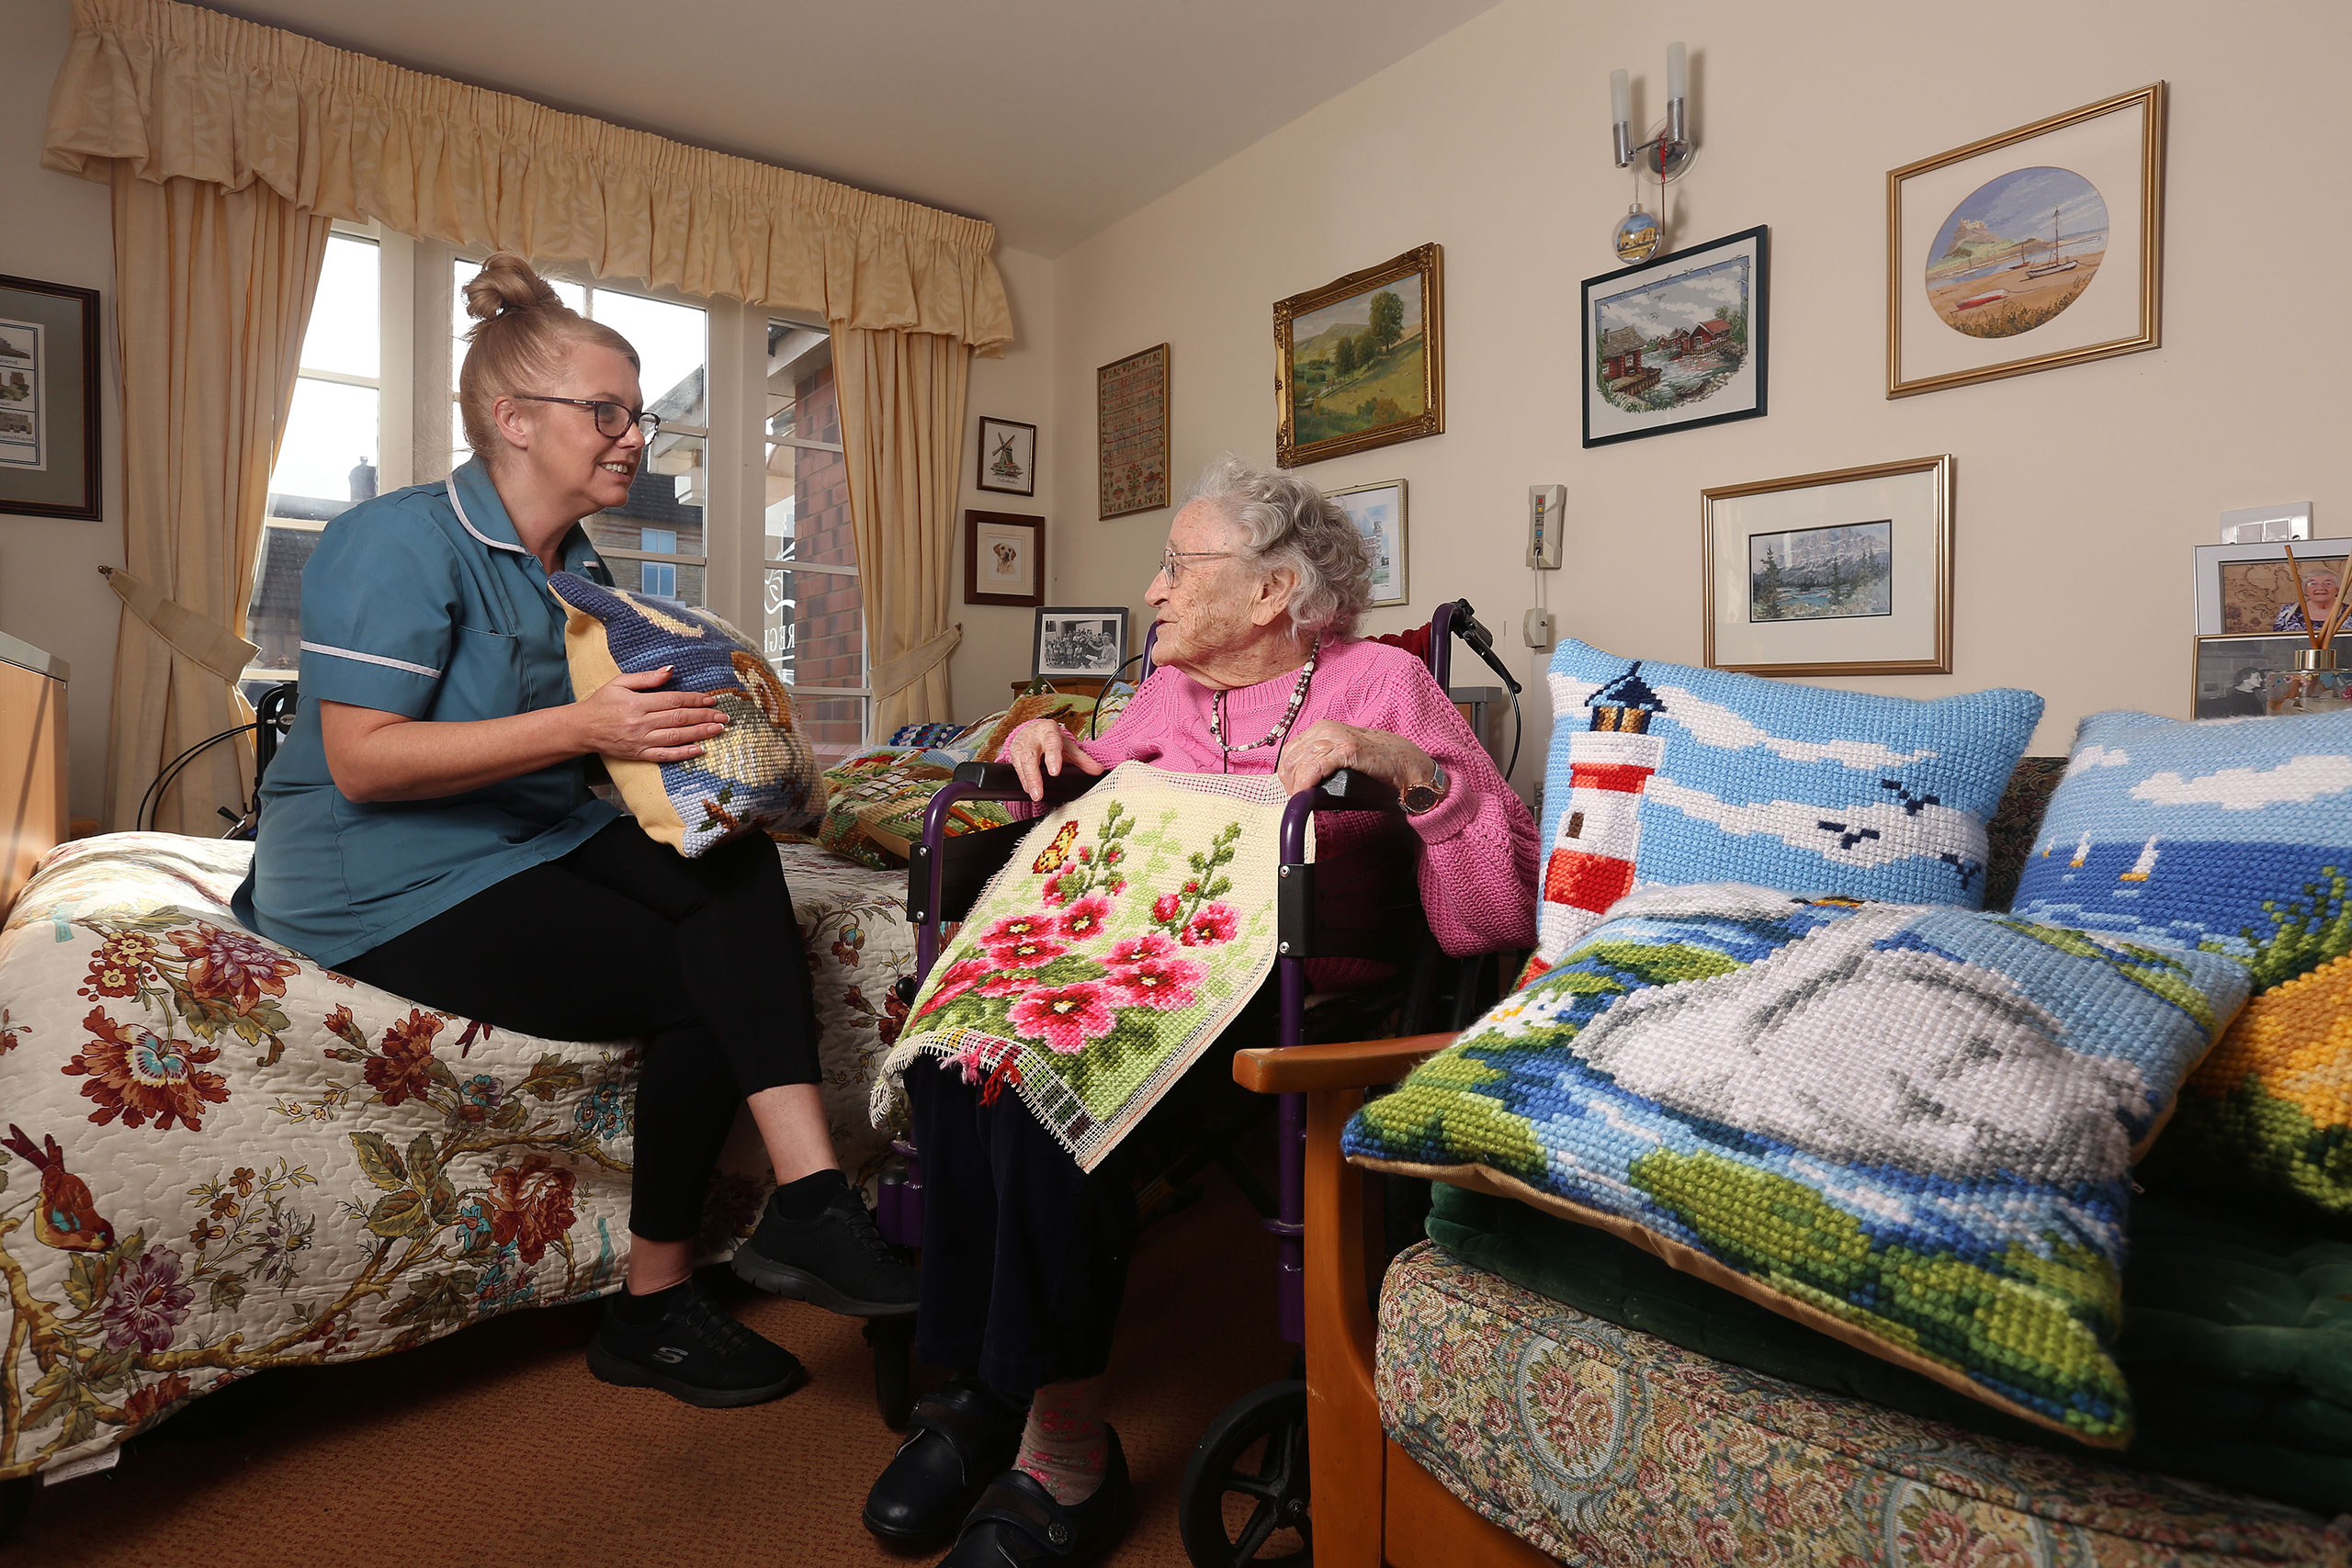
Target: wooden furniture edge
{"type": "Point", "coordinates": [1428, 1527]}
{"type": "Point", "coordinates": [1344, 1442]}
{"type": "Point", "coordinates": [1358, 1064]}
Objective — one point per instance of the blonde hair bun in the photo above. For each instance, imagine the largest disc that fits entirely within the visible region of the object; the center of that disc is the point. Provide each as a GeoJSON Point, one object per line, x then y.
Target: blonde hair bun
{"type": "Point", "coordinates": [522, 336]}
{"type": "Point", "coordinates": [507, 283]}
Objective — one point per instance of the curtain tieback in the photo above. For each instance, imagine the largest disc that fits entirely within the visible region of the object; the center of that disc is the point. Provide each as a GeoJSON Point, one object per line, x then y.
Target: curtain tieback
{"type": "Point", "coordinates": [895, 675]}
{"type": "Point", "coordinates": [194, 636]}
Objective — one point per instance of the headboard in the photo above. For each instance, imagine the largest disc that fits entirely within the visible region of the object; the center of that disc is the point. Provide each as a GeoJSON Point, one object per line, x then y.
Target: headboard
{"type": "Point", "coordinates": [32, 769]}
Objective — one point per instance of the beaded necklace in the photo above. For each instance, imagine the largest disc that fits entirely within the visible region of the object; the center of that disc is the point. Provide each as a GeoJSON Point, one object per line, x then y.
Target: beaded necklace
{"type": "Point", "coordinates": [1281, 730]}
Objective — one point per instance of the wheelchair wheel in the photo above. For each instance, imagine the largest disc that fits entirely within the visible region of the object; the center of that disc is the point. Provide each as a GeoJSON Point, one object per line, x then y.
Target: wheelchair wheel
{"type": "Point", "coordinates": [1244, 1499]}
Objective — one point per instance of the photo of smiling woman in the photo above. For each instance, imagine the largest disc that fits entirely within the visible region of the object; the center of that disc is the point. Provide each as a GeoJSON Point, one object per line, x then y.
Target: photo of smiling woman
{"type": "Point", "coordinates": [427, 828]}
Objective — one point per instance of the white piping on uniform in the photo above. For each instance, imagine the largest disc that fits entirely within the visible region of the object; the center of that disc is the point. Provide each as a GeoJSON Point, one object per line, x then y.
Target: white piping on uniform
{"type": "Point", "coordinates": [371, 658]}
{"type": "Point", "coordinates": [468, 524]}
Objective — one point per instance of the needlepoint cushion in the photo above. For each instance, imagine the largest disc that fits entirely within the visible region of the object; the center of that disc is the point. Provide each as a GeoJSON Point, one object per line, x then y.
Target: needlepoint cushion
{"type": "Point", "coordinates": [1664, 773]}
{"type": "Point", "coordinates": [759, 773]}
{"type": "Point", "coordinates": [2233, 836]}
{"type": "Point", "coordinates": [1908, 1127]}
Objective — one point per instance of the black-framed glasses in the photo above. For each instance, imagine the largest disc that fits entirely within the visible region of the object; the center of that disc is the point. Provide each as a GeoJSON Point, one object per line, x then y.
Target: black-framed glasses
{"type": "Point", "coordinates": [613, 419]}
{"type": "Point", "coordinates": [1172, 562]}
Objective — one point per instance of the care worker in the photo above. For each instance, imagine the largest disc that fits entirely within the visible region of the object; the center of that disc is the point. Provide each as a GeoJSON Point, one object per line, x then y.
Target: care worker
{"type": "Point", "coordinates": [427, 828]}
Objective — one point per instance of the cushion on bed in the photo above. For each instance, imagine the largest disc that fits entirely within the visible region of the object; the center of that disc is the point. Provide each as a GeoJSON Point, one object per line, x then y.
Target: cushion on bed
{"type": "Point", "coordinates": [1663, 773]}
{"type": "Point", "coordinates": [2233, 835]}
{"type": "Point", "coordinates": [1907, 1127]}
{"type": "Point", "coordinates": [1599, 1444]}
{"type": "Point", "coordinates": [759, 773]}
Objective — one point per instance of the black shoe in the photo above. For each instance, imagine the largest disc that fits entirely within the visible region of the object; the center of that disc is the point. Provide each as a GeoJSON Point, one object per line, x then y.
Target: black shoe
{"type": "Point", "coordinates": [838, 1260]}
{"type": "Point", "coordinates": [959, 1435]}
{"type": "Point", "coordinates": [1017, 1521]}
{"type": "Point", "coordinates": [695, 1352]}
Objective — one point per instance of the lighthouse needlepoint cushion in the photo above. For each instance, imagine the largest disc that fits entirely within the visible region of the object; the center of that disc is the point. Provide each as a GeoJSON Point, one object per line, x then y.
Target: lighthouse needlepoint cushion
{"type": "Point", "coordinates": [2233, 836]}
{"type": "Point", "coordinates": [758, 773]}
{"type": "Point", "coordinates": [1668, 775]}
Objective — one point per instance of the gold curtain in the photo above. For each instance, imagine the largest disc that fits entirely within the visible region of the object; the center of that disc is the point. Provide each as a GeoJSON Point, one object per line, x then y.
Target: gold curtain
{"type": "Point", "coordinates": [175, 91]}
{"type": "Point", "coordinates": [212, 288]}
{"type": "Point", "coordinates": [902, 429]}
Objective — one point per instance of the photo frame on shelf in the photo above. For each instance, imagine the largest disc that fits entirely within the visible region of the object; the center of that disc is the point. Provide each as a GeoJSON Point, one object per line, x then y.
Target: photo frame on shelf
{"type": "Point", "coordinates": [1079, 639]}
{"type": "Point", "coordinates": [2249, 590]}
{"type": "Point", "coordinates": [1378, 511]}
{"type": "Point", "coordinates": [49, 434]}
{"type": "Point", "coordinates": [1680, 341]}
{"type": "Point", "coordinates": [1846, 573]}
{"type": "Point", "coordinates": [1360, 362]}
{"type": "Point", "coordinates": [1131, 433]}
{"type": "Point", "coordinates": [1004, 558]}
{"type": "Point", "coordinates": [2028, 250]}
{"type": "Point", "coordinates": [1008, 457]}
{"type": "Point", "coordinates": [2226, 673]}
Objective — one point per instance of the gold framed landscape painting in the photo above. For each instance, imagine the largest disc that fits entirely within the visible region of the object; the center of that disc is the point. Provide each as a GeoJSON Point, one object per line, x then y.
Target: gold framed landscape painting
{"type": "Point", "coordinates": [2038, 247]}
{"type": "Point", "coordinates": [1360, 362]}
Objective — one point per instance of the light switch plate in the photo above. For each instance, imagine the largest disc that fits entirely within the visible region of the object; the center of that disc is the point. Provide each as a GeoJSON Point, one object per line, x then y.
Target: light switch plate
{"type": "Point", "coordinates": [2265, 524]}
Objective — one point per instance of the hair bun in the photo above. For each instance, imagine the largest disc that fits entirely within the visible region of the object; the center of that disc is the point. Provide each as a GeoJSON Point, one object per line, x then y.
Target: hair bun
{"type": "Point", "coordinates": [507, 284]}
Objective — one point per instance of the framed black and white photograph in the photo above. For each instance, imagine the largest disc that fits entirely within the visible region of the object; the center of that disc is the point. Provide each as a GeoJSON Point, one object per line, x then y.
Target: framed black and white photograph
{"type": "Point", "coordinates": [2230, 674]}
{"type": "Point", "coordinates": [1677, 342]}
{"type": "Point", "coordinates": [1086, 639]}
{"type": "Point", "coordinates": [1008, 457]}
{"type": "Point", "coordinates": [1378, 512]}
{"type": "Point", "coordinates": [48, 399]}
{"type": "Point", "coordinates": [1004, 558]}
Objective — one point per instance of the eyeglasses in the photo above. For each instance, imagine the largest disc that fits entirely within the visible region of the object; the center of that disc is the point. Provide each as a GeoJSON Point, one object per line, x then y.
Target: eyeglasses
{"type": "Point", "coordinates": [613, 420]}
{"type": "Point", "coordinates": [1172, 562]}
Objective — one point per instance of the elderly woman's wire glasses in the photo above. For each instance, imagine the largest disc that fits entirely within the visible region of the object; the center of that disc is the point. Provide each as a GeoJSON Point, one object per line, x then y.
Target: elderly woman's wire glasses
{"type": "Point", "coordinates": [613, 420]}
{"type": "Point", "coordinates": [1172, 562]}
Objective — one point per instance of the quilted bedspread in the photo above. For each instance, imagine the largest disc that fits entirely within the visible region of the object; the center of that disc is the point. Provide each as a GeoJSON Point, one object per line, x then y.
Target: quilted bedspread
{"type": "Point", "coordinates": [221, 1158]}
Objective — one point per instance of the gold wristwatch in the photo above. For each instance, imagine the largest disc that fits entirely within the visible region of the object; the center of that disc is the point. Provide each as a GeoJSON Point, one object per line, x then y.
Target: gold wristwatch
{"type": "Point", "coordinates": [1423, 797]}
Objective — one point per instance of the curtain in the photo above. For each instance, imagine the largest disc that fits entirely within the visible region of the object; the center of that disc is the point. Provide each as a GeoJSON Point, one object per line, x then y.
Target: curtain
{"type": "Point", "coordinates": [173, 91]}
{"type": "Point", "coordinates": [902, 431]}
{"type": "Point", "coordinates": [212, 288]}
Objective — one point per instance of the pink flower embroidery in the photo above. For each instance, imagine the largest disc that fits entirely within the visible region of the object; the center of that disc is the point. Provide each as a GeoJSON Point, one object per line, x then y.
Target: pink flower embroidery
{"type": "Point", "coordinates": [1013, 927]}
{"type": "Point", "coordinates": [1026, 953]}
{"type": "Point", "coordinates": [1007, 985]}
{"type": "Point", "coordinates": [1163, 984]}
{"type": "Point", "coordinates": [1164, 908]}
{"type": "Point", "coordinates": [959, 980]}
{"type": "Point", "coordinates": [1140, 949]}
{"type": "Point", "coordinates": [1085, 918]}
{"type": "Point", "coordinates": [1215, 923]}
{"type": "Point", "coordinates": [1052, 892]}
{"type": "Point", "coordinates": [1065, 1017]}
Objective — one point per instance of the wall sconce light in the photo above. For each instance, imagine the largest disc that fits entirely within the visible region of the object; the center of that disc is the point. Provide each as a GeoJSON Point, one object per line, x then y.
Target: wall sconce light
{"type": "Point", "coordinates": [1664, 157]}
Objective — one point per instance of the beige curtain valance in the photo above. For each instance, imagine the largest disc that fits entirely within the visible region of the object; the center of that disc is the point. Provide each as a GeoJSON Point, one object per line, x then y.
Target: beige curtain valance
{"type": "Point", "coordinates": [173, 91]}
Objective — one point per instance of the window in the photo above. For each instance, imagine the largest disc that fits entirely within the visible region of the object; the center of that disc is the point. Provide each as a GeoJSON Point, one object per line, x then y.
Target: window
{"type": "Point", "coordinates": [813, 606]}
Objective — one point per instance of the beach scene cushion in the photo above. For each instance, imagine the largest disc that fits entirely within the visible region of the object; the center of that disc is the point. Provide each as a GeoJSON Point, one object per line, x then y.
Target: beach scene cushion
{"type": "Point", "coordinates": [759, 773]}
{"type": "Point", "coordinates": [2231, 836]}
{"type": "Point", "coordinates": [1908, 1127]}
{"type": "Point", "coordinates": [1664, 774]}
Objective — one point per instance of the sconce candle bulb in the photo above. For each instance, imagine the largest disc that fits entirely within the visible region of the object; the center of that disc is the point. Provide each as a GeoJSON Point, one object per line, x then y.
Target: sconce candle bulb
{"type": "Point", "coordinates": [1621, 116]}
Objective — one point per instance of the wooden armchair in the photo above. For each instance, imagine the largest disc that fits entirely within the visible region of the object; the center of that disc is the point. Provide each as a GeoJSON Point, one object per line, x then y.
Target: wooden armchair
{"type": "Point", "coordinates": [1372, 1504]}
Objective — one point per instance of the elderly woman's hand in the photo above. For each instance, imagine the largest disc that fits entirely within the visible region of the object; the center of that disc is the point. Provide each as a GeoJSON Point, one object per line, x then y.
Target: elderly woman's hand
{"type": "Point", "coordinates": [1041, 746]}
{"type": "Point", "coordinates": [1326, 746]}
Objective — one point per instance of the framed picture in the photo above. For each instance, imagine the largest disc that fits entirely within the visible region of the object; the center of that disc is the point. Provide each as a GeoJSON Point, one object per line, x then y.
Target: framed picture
{"type": "Point", "coordinates": [2039, 247]}
{"type": "Point", "coordinates": [1004, 558]}
{"type": "Point", "coordinates": [2226, 679]}
{"type": "Point", "coordinates": [2250, 591]}
{"type": "Point", "coordinates": [1086, 639]}
{"type": "Point", "coordinates": [1360, 362]}
{"type": "Point", "coordinates": [1008, 457]}
{"type": "Point", "coordinates": [1131, 432]}
{"type": "Point", "coordinates": [1679, 342]}
{"type": "Point", "coordinates": [1378, 512]}
{"type": "Point", "coordinates": [48, 399]}
{"type": "Point", "coordinates": [1841, 573]}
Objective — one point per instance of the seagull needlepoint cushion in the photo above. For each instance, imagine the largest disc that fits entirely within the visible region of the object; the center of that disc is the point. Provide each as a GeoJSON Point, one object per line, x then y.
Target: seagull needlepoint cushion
{"type": "Point", "coordinates": [758, 774]}
{"type": "Point", "coordinates": [1668, 775]}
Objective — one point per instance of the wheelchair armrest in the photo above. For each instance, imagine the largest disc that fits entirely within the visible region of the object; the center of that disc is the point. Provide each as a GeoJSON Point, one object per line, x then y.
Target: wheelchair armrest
{"type": "Point", "coordinates": [1359, 1063]}
{"type": "Point", "coordinates": [999, 781]}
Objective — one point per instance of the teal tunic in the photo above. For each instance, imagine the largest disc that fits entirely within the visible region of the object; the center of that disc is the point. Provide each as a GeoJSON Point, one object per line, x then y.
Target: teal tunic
{"type": "Point", "coordinates": [422, 602]}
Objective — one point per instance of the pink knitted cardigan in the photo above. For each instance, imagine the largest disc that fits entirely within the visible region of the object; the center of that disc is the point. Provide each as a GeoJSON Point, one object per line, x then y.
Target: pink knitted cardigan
{"type": "Point", "coordinates": [1479, 850]}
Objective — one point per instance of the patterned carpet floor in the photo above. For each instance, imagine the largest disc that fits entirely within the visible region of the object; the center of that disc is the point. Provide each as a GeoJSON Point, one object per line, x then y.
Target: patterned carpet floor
{"type": "Point", "coordinates": [496, 1446]}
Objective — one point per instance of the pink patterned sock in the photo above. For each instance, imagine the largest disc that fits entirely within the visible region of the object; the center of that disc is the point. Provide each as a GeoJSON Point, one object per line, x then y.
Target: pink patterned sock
{"type": "Point", "coordinates": [1062, 1446]}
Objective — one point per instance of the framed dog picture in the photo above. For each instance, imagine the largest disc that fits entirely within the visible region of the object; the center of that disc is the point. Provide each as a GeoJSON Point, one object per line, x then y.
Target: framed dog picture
{"type": "Point", "coordinates": [1004, 558]}
{"type": "Point", "coordinates": [1086, 639]}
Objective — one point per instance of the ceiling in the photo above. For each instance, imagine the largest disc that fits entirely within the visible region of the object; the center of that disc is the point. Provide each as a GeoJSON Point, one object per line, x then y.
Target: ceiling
{"type": "Point", "coordinates": [1050, 118]}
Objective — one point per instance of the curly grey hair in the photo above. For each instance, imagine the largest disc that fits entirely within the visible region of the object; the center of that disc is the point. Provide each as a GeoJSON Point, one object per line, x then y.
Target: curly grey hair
{"type": "Point", "coordinates": [1288, 524]}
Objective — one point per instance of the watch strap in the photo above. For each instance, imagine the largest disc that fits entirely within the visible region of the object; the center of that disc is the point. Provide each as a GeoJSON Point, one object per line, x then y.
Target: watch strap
{"type": "Point", "coordinates": [1423, 798]}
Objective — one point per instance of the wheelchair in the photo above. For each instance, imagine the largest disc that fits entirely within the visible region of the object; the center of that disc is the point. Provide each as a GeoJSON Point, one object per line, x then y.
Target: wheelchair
{"type": "Point", "coordinates": [945, 876]}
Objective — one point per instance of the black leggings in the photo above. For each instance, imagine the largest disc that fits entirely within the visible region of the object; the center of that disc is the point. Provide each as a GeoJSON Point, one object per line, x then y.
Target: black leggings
{"type": "Point", "coordinates": [625, 938]}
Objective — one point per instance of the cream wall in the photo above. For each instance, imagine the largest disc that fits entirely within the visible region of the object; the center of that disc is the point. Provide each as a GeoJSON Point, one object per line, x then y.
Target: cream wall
{"type": "Point", "coordinates": [59, 229]}
{"type": "Point", "coordinates": [2080, 490]}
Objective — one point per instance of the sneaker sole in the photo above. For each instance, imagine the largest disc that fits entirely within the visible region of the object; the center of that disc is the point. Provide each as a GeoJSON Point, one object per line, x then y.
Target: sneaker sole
{"type": "Point", "coordinates": [624, 1373]}
{"type": "Point", "coordinates": [784, 1280]}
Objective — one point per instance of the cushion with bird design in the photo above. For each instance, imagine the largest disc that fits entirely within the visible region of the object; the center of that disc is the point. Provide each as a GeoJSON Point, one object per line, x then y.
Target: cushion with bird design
{"type": "Point", "coordinates": [759, 773]}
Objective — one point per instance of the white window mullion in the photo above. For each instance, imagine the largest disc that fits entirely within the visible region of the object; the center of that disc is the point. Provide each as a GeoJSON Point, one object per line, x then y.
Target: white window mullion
{"type": "Point", "coordinates": [396, 409]}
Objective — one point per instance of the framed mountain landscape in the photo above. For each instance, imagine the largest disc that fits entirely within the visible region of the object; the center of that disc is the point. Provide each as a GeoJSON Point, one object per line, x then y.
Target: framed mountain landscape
{"type": "Point", "coordinates": [2038, 247]}
{"type": "Point", "coordinates": [1360, 361]}
{"type": "Point", "coordinates": [1679, 342]}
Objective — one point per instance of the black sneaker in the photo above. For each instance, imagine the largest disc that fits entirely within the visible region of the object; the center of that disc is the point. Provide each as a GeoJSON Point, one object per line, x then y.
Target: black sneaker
{"type": "Point", "coordinates": [695, 1352]}
{"type": "Point", "coordinates": [838, 1260]}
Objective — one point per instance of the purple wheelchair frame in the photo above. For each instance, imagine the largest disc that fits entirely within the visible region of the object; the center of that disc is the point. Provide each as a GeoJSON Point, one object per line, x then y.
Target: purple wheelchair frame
{"type": "Point", "coordinates": [900, 1211]}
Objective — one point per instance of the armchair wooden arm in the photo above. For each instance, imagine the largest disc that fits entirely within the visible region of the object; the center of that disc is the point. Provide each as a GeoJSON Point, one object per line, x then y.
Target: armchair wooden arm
{"type": "Point", "coordinates": [1359, 1063]}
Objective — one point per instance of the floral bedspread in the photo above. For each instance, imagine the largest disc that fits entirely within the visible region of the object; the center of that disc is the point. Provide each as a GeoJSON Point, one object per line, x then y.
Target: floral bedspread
{"type": "Point", "coordinates": [217, 1158]}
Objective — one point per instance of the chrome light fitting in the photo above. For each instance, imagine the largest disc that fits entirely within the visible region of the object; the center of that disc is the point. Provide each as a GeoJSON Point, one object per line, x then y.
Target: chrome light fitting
{"type": "Point", "coordinates": [1669, 149]}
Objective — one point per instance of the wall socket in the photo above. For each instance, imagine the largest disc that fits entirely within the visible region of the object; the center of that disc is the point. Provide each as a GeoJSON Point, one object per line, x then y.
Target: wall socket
{"type": "Point", "coordinates": [1544, 505]}
{"type": "Point", "coordinates": [1538, 628]}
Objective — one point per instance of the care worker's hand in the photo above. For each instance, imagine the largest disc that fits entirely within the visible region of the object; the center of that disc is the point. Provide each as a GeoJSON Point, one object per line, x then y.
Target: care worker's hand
{"type": "Point", "coordinates": [1042, 747]}
{"type": "Point", "coordinates": [1326, 746]}
{"type": "Point", "coordinates": [627, 718]}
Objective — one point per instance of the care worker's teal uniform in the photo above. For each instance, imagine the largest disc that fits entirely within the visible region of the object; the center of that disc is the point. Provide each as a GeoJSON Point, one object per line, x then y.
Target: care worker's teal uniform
{"type": "Point", "coordinates": [422, 602]}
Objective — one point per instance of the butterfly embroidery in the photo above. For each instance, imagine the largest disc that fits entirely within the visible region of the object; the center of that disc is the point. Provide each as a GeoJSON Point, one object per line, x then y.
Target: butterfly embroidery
{"type": "Point", "coordinates": [1058, 852]}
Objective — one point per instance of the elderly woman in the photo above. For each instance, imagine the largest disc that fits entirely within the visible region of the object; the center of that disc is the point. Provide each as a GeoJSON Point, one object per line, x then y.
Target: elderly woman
{"type": "Point", "coordinates": [1260, 671]}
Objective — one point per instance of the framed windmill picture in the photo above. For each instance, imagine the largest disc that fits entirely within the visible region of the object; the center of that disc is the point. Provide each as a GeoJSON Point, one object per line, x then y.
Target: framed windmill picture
{"type": "Point", "coordinates": [1008, 457]}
